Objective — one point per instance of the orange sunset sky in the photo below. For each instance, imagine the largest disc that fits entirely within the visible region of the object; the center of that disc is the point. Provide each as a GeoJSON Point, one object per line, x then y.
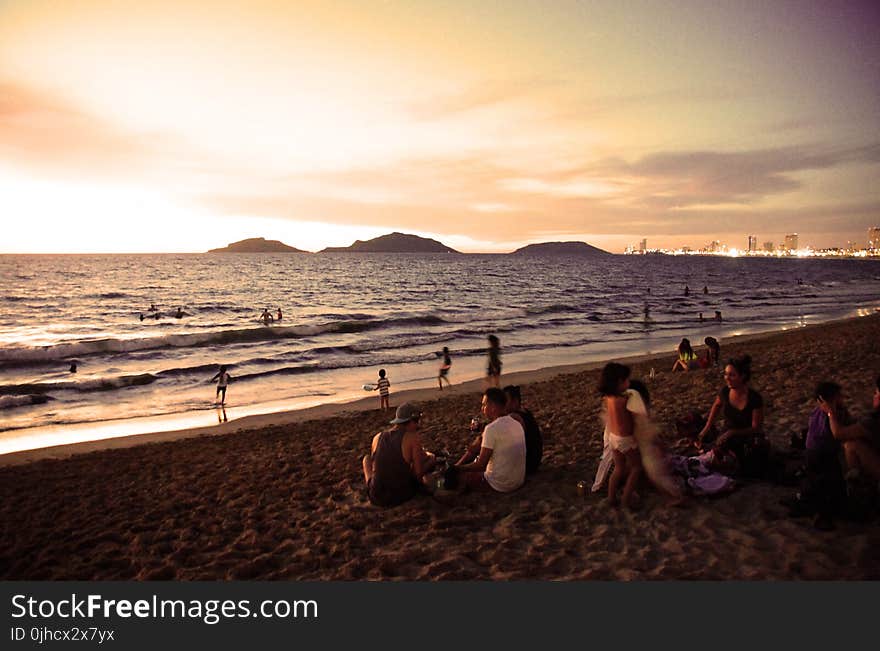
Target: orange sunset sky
{"type": "Point", "coordinates": [181, 126]}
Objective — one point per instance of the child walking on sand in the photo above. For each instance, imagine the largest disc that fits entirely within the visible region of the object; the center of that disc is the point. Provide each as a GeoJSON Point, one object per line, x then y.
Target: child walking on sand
{"type": "Point", "coordinates": [613, 385]}
{"type": "Point", "coordinates": [384, 386]}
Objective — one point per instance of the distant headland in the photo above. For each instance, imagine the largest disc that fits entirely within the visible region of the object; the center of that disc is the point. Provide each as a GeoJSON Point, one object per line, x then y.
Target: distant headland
{"type": "Point", "coordinates": [393, 243]}
{"type": "Point", "coordinates": [257, 245]}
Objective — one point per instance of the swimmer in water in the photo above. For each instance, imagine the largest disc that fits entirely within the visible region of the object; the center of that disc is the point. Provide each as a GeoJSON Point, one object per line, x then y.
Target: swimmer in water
{"type": "Point", "coordinates": [278, 318]}
{"type": "Point", "coordinates": [142, 316]}
{"type": "Point", "coordinates": [718, 316]}
{"type": "Point", "coordinates": [687, 290]}
{"type": "Point", "coordinates": [179, 314]}
{"type": "Point", "coordinates": [73, 367]}
{"type": "Point", "coordinates": [152, 308]}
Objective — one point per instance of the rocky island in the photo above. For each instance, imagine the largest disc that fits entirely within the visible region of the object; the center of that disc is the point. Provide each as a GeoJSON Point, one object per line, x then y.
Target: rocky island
{"type": "Point", "coordinates": [581, 249]}
{"type": "Point", "coordinates": [393, 243]}
{"type": "Point", "coordinates": [257, 245]}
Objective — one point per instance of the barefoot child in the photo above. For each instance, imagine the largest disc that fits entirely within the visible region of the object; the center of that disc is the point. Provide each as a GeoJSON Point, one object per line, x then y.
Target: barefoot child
{"type": "Point", "coordinates": [384, 386]}
{"type": "Point", "coordinates": [223, 379]}
{"type": "Point", "coordinates": [613, 385]}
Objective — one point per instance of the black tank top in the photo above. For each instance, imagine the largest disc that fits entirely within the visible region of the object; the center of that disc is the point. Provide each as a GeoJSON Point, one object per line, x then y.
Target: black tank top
{"type": "Point", "coordinates": [392, 482]}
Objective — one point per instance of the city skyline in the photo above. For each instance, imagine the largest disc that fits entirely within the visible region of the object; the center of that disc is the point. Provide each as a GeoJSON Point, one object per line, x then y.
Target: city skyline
{"type": "Point", "coordinates": [133, 127]}
{"type": "Point", "coordinates": [791, 244]}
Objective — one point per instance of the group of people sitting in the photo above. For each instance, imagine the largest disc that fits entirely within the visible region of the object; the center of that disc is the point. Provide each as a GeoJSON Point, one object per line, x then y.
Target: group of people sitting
{"type": "Point", "coordinates": [509, 448]}
{"type": "Point", "coordinates": [689, 360]}
{"type": "Point", "coordinates": [834, 441]}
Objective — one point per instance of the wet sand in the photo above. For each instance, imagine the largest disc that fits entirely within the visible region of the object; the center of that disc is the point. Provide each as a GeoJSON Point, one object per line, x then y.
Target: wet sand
{"type": "Point", "coordinates": [281, 496]}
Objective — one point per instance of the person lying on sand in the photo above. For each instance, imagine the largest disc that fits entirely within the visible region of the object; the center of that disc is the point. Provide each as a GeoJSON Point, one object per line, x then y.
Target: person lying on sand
{"type": "Point", "coordinates": [861, 441]}
{"type": "Point", "coordinates": [397, 461]}
{"type": "Point", "coordinates": [613, 385]}
{"type": "Point", "coordinates": [742, 408]}
{"type": "Point", "coordinates": [496, 460]}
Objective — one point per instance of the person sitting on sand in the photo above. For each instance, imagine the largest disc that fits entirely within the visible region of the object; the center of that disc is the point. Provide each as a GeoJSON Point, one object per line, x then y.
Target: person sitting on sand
{"type": "Point", "coordinates": [223, 379]}
{"type": "Point", "coordinates": [534, 440]}
{"type": "Point", "coordinates": [687, 358]}
{"type": "Point", "coordinates": [613, 384]}
{"type": "Point", "coordinates": [397, 461]}
{"type": "Point", "coordinates": [742, 408]}
{"type": "Point", "coordinates": [823, 490]}
{"type": "Point", "coordinates": [713, 351]}
{"type": "Point", "coordinates": [496, 460]}
{"type": "Point", "coordinates": [444, 368]}
{"type": "Point", "coordinates": [861, 441]}
{"type": "Point", "coordinates": [493, 370]}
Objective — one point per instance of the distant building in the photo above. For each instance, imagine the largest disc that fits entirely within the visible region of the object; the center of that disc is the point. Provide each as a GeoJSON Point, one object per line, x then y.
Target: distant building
{"type": "Point", "coordinates": [768, 247]}
{"type": "Point", "coordinates": [643, 245]}
{"type": "Point", "coordinates": [791, 242]}
{"type": "Point", "coordinates": [753, 243]}
{"type": "Point", "coordinates": [874, 238]}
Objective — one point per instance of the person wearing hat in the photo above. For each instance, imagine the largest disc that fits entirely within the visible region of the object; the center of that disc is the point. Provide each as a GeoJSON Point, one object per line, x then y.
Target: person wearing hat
{"type": "Point", "coordinates": [397, 461]}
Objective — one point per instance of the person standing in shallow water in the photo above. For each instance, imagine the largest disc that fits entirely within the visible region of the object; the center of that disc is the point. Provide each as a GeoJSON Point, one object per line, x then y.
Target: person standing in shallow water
{"type": "Point", "coordinates": [222, 378]}
{"type": "Point", "coordinates": [493, 370]}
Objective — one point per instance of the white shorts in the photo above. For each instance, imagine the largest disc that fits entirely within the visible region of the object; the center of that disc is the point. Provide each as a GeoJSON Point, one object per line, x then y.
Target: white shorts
{"type": "Point", "coordinates": [622, 444]}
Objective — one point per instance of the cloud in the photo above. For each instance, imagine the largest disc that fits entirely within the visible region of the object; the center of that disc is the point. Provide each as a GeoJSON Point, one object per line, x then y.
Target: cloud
{"type": "Point", "coordinates": [477, 96]}
{"type": "Point", "coordinates": [680, 179]}
{"type": "Point", "coordinates": [48, 135]}
{"type": "Point", "coordinates": [663, 192]}
{"type": "Point", "coordinates": [42, 130]}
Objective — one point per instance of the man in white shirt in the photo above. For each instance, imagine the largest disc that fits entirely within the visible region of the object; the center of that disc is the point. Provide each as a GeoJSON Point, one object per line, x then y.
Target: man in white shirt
{"type": "Point", "coordinates": [497, 459]}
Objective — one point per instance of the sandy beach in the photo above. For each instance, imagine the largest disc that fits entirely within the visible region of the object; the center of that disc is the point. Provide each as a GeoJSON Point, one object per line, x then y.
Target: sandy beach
{"type": "Point", "coordinates": [281, 496]}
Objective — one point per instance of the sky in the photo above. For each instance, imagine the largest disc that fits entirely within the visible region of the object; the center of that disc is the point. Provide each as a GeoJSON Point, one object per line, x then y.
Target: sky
{"type": "Point", "coordinates": [182, 126]}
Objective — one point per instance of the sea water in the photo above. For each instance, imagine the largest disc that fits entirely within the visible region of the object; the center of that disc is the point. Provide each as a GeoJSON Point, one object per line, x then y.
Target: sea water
{"type": "Point", "coordinates": [347, 315]}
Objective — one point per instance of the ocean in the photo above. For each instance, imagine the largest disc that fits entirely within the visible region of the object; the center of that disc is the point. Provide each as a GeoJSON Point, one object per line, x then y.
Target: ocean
{"type": "Point", "coordinates": [346, 315]}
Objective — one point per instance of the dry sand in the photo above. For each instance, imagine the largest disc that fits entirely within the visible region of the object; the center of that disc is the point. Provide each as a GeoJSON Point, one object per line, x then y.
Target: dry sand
{"type": "Point", "coordinates": [287, 502]}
